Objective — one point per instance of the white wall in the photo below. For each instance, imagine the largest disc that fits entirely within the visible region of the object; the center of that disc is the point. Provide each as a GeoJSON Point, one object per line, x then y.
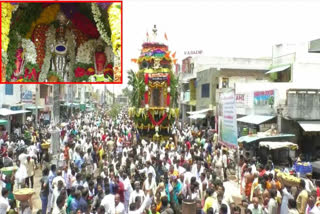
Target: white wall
{"type": "Point", "coordinates": [10, 99]}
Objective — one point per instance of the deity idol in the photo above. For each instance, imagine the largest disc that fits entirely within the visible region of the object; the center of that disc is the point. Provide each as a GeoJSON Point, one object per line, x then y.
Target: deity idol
{"type": "Point", "coordinates": [100, 63]}
{"type": "Point", "coordinates": [59, 51]}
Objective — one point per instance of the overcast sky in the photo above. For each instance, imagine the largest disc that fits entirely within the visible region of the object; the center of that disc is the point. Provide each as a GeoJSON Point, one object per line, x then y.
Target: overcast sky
{"type": "Point", "coordinates": [219, 28]}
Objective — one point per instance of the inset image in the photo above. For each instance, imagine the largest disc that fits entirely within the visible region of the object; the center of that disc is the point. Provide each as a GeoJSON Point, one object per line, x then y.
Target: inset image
{"type": "Point", "coordinates": [61, 42]}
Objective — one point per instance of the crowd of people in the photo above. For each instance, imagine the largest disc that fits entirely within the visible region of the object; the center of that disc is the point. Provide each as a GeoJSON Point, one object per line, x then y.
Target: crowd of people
{"type": "Point", "coordinates": [104, 165]}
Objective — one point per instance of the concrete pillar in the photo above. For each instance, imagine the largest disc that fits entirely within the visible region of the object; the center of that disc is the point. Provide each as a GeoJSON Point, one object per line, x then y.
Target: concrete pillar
{"type": "Point", "coordinates": [55, 134]}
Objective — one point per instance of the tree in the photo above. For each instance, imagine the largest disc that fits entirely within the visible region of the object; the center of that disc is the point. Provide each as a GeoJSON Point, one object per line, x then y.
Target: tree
{"type": "Point", "coordinates": [126, 92]}
{"type": "Point", "coordinates": [138, 88]}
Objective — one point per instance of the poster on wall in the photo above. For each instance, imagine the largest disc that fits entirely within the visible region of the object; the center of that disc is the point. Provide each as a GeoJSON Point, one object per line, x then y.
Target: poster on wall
{"type": "Point", "coordinates": [27, 97]}
{"type": "Point", "coordinates": [227, 122]}
{"type": "Point", "coordinates": [263, 98]}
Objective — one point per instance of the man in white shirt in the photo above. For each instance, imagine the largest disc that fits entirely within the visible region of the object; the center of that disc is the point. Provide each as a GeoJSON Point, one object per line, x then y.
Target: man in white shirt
{"type": "Point", "coordinates": [146, 202]}
{"type": "Point", "coordinates": [30, 166]}
{"type": "Point", "coordinates": [4, 203]}
{"type": "Point", "coordinates": [148, 169]}
{"type": "Point", "coordinates": [149, 184]}
{"type": "Point", "coordinates": [119, 207]}
{"type": "Point", "coordinates": [255, 207]}
{"type": "Point", "coordinates": [127, 191]}
{"type": "Point", "coordinates": [137, 192]}
{"type": "Point", "coordinates": [108, 201]}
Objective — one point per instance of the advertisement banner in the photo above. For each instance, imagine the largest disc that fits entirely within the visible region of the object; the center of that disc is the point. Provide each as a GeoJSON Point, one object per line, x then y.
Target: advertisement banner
{"type": "Point", "coordinates": [228, 133]}
{"type": "Point", "coordinates": [26, 97]}
{"type": "Point", "coordinates": [263, 98]}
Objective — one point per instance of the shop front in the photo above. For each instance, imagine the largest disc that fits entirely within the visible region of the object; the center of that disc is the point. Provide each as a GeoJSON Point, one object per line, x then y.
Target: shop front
{"type": "Point", "coordinates": [15, 117]}
{"type": "Point", "coordinates": [310, 139]}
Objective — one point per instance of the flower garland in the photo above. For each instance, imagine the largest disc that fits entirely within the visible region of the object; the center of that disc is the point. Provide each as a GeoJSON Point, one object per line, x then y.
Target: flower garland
{"type": "Point", "coordinates": [50, 39]}
{"type": "Point", "coordinates": [71, 45]}
{"type": "Point", "coordinates": [6, 15]}
{"type": "Point", "coordinates": [97, 18]}
{"type": "Point", "coordinates": [114, 14]}
{"type": "Point", "coordinates": [85, 52]}
{"type": "Point", "coordinates": [30, 54]}
{"type": "Point", "coordinates": [47, 16]}
{"type": "Point", "coordinates": [39, 38]}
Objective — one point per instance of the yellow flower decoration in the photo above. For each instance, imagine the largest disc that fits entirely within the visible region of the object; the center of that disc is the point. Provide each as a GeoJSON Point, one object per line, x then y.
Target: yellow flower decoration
{"type": "Point", "coordinates": [91, 70]}
{"type": "Point", "coordinates": [114, 13]}
{"type": "Point", "coordinates": [47, 16]}
{"type": "Point", "coordinates": [6, 15]}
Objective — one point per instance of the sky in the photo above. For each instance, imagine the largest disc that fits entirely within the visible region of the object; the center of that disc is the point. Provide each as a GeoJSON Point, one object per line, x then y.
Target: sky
{"type": "Point", "coordinates": [242, 28]}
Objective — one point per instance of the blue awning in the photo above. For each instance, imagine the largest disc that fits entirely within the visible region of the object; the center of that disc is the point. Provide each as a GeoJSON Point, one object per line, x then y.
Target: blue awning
{"type": "Point", "coordinates": [255, 119]}
{"type": "Point", "coordinates": [250, 139]}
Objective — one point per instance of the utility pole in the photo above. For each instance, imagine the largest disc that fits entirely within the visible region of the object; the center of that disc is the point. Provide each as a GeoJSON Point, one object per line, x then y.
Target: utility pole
{"type": "Point", "coordinates": [113, 94]}
{"type": "Point", "coordinates": [37, 102]}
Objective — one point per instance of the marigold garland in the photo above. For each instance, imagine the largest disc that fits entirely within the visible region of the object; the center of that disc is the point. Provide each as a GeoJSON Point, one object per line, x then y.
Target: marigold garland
{"type": "Point", "coordinates": [39, 39]}
{"type": "Point", "coordinates": [6, 15]}
{"type": "Point", "coordinates": [114, 13]}
{"type": "Point", "coordinates": [47, 16]}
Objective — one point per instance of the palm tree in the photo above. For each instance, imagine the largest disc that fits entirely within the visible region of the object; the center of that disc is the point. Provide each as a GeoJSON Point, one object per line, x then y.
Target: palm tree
{"type": "Point", "coordinates": [138, 86]}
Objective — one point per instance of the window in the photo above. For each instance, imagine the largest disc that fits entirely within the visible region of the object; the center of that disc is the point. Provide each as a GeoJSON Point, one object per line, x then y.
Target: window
{"type": "Point", "coordinates": [225, 82]}
{"type": "Point", "coordinates": [9, 89]}
{"type": "Point", "coordinates": [205, 90]}
{"type": "Point", "coordinates": [43, 91]}
{"type": "Point", "coordinates": [283, 76]}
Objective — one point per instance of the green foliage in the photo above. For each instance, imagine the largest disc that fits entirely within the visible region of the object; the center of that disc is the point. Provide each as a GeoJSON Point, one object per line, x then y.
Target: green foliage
{"type": "Point", "coordinates": [138, 87]}
{"type": "Point", "coordinates": [52, 73]}
{"type": "Point", "coordinates": [85, 8]}
{"type": "Point", "coordinates": [274, 76]}
{"type": "Point", "coordinates": [271, 101]}
{"type": "Point", "coordinates": [126, 92]}
{"type": "Point", "coordinates": [114, 111]}
{"type": "Point", "coordinates": [83, 65]}
{"type": "Point", "coordinates": [174, 81]}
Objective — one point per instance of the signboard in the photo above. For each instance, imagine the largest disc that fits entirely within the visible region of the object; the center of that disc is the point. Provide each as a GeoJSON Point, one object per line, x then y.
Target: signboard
{"type": "Point", "coordinates": [263, 98]}
{"type": "Point", "coordinates": [240, 100]}
{"type": "Point", "coordinates": [227, 131]}
{"type": "Point", "coordinates": [193, 52]}
{"type": "Point", "coordinates": [26, 97]}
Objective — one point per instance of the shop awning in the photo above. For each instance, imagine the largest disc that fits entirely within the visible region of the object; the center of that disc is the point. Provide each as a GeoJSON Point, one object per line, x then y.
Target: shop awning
{"type": "Point", "coordinates": [278, 69]}
{"type": "Point", "coordinates": [310, 126]}
{"type": "Point", "coordinates": [3, 122]}
{"type": "Point", "coordinates": [7, 112]}
{"type": "Point", "coordinates": [200, 111]}
{"type": "Point", "coordinates": [250, 139]}
{"type": "Point", "coordinates": [255, 119]}
{"type": "Point", "coordinates": [197, 116]}
{"type": "Point", "coordinates": [33, 107]}
{"type": "Point", "coordinates": [278, 145]}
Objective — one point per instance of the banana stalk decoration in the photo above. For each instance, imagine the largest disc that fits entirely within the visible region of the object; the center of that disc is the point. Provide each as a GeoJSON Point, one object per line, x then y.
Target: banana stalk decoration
{"type": "Point", "coordinates": [114, 13]}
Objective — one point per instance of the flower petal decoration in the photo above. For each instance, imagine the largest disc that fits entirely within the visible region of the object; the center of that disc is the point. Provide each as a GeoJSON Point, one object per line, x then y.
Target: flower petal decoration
{"type": "Point", "coordinates": [6, 15]}
{"type": "Point", "coordinates": [47, 16]}
{"type": "Point", "coordinates": [114, 13]}
{"type": "Point", "coordinates": [97, 18]}
{"type": "Point", "coordinates": [85, 25]}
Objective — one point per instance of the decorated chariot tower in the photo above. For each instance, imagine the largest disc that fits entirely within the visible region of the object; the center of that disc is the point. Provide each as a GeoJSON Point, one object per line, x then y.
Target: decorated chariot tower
{"type": "Point", "coordinates": [154, 95]}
